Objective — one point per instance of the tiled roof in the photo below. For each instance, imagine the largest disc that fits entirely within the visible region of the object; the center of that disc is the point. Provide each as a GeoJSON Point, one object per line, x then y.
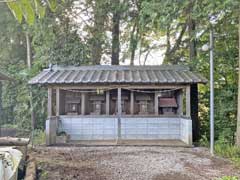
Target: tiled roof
{"type": "Point", "coordinates": [167, 102]}
{"type": "Point", "coordinates": [106, 74]}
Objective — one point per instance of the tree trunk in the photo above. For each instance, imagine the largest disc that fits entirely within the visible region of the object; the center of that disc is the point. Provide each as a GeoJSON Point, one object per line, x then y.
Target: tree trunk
{"type": "Point", "coordinates": [238, 110]}
{"type": "Point", "coordinates": [12, 141]}
{"type": "Point", "coordinates": [1, 109]}
{"type": "Point", "coordinates": [100, 16]}
{"type": "Point", "coordinates": [133, 43]}
{"type": "Point", "coordinates": [29, 65]}
{"type": "Point", "coordinates": [191, 33]}
{"type": "Point", "coordinates": [192, 41]}
{"type": "Point", "coordinates": [115, 33]}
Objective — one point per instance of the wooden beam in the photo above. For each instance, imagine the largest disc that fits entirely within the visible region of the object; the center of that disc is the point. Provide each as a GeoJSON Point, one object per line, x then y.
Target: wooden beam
{"type": "Point", "coordinates": [180, 103]}
{"type": "Point", "coordinates": [188, 101]}
{"type": "Point", "coordinates": [107, 102]}
{"type": "Point", "coordinates": [50, 93]}
{"type": "Point", "coordinates": [57, 101]}
{"type": "Point", "coordinates": [83, 103]}
{"type": "Point", "coordinates": [62, 102]}
{"type": "Point", "coordinates": [132, 103]}
{"type": "Point", "coordinates": [119, 104]}
{"type": "Point", "coordinates": [156, 103]}
{"type": "Point", "coordinates": [140, 86]}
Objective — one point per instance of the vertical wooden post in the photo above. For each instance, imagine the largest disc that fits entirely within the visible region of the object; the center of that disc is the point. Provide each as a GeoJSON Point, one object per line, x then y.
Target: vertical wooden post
{"type": "Point", "coordinates": [132, 103]}
{"type": "Point", "coordinates": [57, 101]}
{"type": "Point", "coordinates": [119, 104]}
{"type": "Point", "coordinates": [107, 102]}
{"type": "Point", "coordinates": [156, 103]}
{"type": "Point", "coordinates": [50, 92]}
{"type": "Point", "coordinates": [188, 101]}
{"type": "Point", "coordinates": [194, 112]}
{"type": "Point", "coordinates": [83, 103]}
{"type": "Point", "coordinates": [180, 103]}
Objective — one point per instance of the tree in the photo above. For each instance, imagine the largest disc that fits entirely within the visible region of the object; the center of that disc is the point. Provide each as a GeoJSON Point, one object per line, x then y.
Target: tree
{"type": "Point", "coordinates": [115, 32]}
{"type": "Point", "coordinates": [100, 12]}
{"type": "Point", "coordinates": [238, 111]}
{"type": "Point", "coordinates": [31, 9]}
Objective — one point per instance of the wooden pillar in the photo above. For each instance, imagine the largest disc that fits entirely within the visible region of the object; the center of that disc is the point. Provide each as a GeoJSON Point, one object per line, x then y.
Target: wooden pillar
{"type": "Point", "coordinates": [156, 103]}
{"type": "Point", "coordinates": [194, 112]}
{"type": "Point", "coordinates": [57, 101]}
{"type": "Point", "coordinates": [188, 101]}
{"type": "Point", "coordinates": [107, 102]}
{"type": "Point", "coordinates": [180, 102]}
{"type": "Point", "coordinates": [132, 103]}
{"type": "Point", "coordinates": [50, 94]}
{"type": "Point", "coordinates": [119, 104]}
{"type": "Point", "coordinates": [83, 103]}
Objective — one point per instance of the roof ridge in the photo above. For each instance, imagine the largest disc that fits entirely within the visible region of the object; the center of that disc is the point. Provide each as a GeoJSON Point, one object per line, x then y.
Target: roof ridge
{"type": "Point", "coordinates": [120, 67]}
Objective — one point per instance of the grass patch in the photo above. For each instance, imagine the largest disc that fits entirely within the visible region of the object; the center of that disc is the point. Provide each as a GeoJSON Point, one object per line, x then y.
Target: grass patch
{"type": "Point", "coordinates": [228, 151]}
{"type": "Point", "coordinates": [39, 137]}
{"type": "Point", "coordinates": [229, 178]}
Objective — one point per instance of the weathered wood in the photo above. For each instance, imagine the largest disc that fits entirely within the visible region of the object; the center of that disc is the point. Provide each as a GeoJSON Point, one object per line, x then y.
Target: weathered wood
{"type": "Point", "coordinates": [156, 103]}
{"type": "Point", "coordinates": [83, 103]}
{"type": "Point", "coordinates": [10, 141]}
{"type": "Point", "coordinates": [107, 102]}
{"type": "Point", "coordinates": [31, 169]}
{"type": "Point", "coordinates": [119, 104]}
{"type": "Point", "coordinates": [188, 101]}
{"type": "Point", "coordinates": [62, 102]}
{"type": "Point", "coordinates": [57, 101]}
{"type": "Point", "coordinates": [50, 94]}
{"type": "Point", "coordinates": [180, 102]}
{"type": "Point", "coordinates": [132, 103]}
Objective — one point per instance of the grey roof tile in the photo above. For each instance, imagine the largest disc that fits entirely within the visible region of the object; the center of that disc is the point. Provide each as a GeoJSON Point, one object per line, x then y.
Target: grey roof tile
{"type": "Point", "coordinates": [164, 74]}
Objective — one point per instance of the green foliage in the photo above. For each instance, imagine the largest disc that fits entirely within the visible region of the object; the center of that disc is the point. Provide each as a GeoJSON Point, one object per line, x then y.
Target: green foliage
{"type": "Point", "coordinates": [222, 148]}
{"type": "Point", "coordinates": [39, 137]}
{"type": "Point", "coordinates": [30, 9]}
{"type": "Point", "coordinates": [204, 141]}
{"type": "Point", "coordinates": [229, 178]}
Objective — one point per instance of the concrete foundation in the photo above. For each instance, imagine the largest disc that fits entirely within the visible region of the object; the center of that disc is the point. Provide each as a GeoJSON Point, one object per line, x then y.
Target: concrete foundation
{"type": "Point", "coordinates": [105, 128]}
{"type": "Point", "coordinates": [51, 130]}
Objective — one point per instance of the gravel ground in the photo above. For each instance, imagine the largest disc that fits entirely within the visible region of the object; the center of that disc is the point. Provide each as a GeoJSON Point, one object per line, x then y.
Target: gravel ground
{"type": "Point", "coordinates": [130, 163]}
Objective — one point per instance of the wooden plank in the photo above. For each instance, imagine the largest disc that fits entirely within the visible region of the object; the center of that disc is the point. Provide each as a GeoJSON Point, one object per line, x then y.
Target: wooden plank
{"type": "Point", "coordinates": [107, 102]}
{"type": "Point", "coordinates": [83, 103]}
{"type": "Point", "coordinates": [188, 101]}
{"type": "Point", "coordinates": [50, 93]}
{"type": "Point", "coordinates": [57, 101]}
{"type": "Point", "coordinates": [119, 104]}
{"type": "Point", "coordinates": [180, 102]}
{"type": "Point", "coordinates": [156, 103]}
{"type": "Point", "coordinates": [132, 103]}
{"type": "Point", "coordinates": [62, 102]}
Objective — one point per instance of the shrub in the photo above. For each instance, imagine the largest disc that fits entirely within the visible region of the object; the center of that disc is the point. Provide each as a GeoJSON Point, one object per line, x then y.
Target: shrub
{"type": "Point", "coordinates": [39, 137]}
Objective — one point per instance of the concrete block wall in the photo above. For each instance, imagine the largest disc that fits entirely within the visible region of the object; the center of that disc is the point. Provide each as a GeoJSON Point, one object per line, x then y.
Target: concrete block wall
{"type": "Point", "coordinates": [186, 131]}
{"type": "Point", "coordinates": [51, 130]}
{"type": "Point", "coordinates": [106, 128]}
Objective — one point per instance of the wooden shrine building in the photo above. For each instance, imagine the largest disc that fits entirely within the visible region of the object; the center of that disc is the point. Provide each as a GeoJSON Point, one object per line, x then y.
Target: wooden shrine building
{"type": "Point", "coordinates": [121, 102]}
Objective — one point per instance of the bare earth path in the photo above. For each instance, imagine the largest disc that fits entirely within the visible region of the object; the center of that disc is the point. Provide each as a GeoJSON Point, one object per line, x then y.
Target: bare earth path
{"type": "Point", "coordinates": [130, 163]}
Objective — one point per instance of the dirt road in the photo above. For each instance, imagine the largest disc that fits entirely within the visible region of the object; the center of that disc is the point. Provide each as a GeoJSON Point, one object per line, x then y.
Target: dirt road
{"type": "Point", "coordinates": [129, 163]}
